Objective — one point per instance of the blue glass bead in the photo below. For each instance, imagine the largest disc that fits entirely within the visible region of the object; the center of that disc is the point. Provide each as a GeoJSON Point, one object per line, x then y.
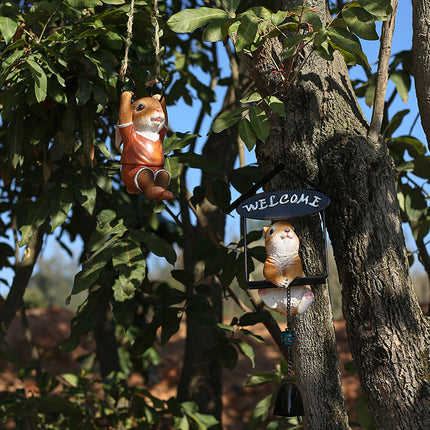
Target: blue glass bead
{"type": "Point", "coordinates": [288, 337]}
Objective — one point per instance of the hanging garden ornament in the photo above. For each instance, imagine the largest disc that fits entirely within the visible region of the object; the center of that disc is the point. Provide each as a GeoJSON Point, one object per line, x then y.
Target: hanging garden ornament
{"type": "Point", "coordinates": [285, 288]}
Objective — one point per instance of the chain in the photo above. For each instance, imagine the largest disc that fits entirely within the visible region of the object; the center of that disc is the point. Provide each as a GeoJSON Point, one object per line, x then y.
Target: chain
{"type": "Point", "coordinates": [289, 308]}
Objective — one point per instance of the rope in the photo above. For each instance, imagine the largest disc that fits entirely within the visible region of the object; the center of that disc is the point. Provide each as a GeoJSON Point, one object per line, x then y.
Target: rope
{"type": "Point", "coordinates": [124, 65]}
{"type": "Point", "coordinates": [157, 77]}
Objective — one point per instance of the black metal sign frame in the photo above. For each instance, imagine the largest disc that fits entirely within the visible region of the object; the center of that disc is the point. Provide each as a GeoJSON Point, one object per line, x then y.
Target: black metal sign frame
{"type": "Point", "coordinates": [280, 205]}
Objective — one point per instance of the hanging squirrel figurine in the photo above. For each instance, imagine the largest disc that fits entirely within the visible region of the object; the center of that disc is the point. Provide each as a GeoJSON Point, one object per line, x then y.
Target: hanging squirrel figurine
{"type": "Point", "coordinates": [142, 128]}
{"type": "Point", "coordinates": [281, 267]}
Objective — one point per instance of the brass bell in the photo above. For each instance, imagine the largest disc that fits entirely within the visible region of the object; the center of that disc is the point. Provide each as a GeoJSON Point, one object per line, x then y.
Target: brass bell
{"type": "Point", "coordinates": [288, 402]}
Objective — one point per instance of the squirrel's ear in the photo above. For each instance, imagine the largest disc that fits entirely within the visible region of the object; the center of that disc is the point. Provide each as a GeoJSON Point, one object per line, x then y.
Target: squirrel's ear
{"type": "Point", "coordinates": [265, 228]}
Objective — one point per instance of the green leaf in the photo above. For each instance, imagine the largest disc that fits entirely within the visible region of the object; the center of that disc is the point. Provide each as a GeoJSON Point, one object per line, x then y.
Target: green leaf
{"type": "Point", "coordinates": [229, 357]}
{"type": "Point", "coordinates": [379, 8]}
{"type": "Point", "coordinates": [85, 192]}
{"type": "Point", "coordinates": [226, 120]}
{"type": "Point", "coordinates": [262, 410]}
{"type": "Point", "coordinates": [311, 17]}
{"type": "Point", "coordinates": [71, 379]}
{"type": "Point", "coordinates": [169, 328]}
{"type": "Point", "coordinates": [261, 378]}
{"type": "Point", "coordinates": [414, 146]}
{"type": "Point", "coordinates": [83, 4]}
{"type": "Point", "coordinates": [415, 205]}
{"type": "Point", "coordinates": [252, 97]}
{"type": "Point", "coordinates": [40, 80]}
{"type": "Point", "coordinates": [247, 350]}
{"type": "Point", "coordinates": [347, 43]}
{"type": "Point", "coordinates": [91, 270]}
{"type": "Point", "coordinates": [214, 31]}
{"type": "Point", "coordinates": [276, 105]}
{"type": "Point", "coordinates": [325, 51]}
{"type": "Point", "coordinates": [247, 31]}
{"type": "Point", "coordinates": [177, 141]}
{"type": "Point", "coordinates": [360, 22]}
{"type": "Point", "coordinates": [145, 340]}
{"type": "Point", "coordinates": [260, 123]}
{"type": "Point", "coordinates": [84, 320]}
{"type": "Point", "coordinates": [155, 244]}
{"type": "Point", "coordinates": [218, 193]}
{"type": "Point", "coordinates": [395, 123]}
{"type": "Point", "coordinates": [129, 261]}
{"type": "Point", "coordinates": [246, 133]}
{"type": "Point", "coordinates": [61, 202]}
{"type": "Point", "coordinates": [84, 90]}
{"type": "Point", "coordinates": [402, 81]}
{"type": "Point", "coordinates": [36, 216]}
{"type": "Point", "coordinates": [252, 318]}
{"type": "Point", "coordinates": [231, 5]}
{"type": "Point", "coordinates": [7, 28]}
{"type": "Point", "coordinates": [245, 177]}
{"type": "Point", "coordinates": [190, 19]}
{"type": "Point", "coordinates": [113, 1]}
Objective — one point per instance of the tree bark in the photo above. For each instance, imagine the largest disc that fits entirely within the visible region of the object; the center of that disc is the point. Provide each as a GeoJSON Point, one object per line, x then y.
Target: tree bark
{"type": "Point", "coordinates": [201, 381]}
{"type": "Point", "coordinates": [421, 51]}
{"type": "Point", "coordinates": [324, 137]}
{"type": "Point", "coordinates": [23, 272]}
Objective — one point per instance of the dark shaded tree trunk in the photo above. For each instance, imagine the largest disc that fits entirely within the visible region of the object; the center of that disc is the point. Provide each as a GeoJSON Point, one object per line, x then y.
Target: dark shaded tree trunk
{"type": "Point", "coordinates": [325, 137]}
{"type": "Point", "coordinates": [201, 381]}
{"type": "Point", "coordinates": [421, 51]}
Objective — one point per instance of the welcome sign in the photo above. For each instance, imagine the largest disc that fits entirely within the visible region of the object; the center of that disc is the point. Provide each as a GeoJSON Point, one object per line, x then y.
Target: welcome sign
{"type": "Point", "coordinates": [283, 204]}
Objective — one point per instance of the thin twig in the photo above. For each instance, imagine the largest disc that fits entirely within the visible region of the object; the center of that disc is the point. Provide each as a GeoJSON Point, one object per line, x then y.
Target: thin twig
{"type": "Point", "coordinates": [382, 75]}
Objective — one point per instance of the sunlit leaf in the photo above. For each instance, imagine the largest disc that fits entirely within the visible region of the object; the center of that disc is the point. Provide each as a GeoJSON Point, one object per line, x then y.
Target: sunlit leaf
{"type": "Point", "coordinates": [247, 350]}
{"type": "Point", "coordinates": [36, 215]}
{"type": "Point", "coordinates": [61, 202]}
{"type": "Point", "coordinates": [40, 80]}
{"type": "Point", "coordinates": [276, 105]}
{"type": "Point", "coordinates": [247, 31]}
{"type": "Point", "coordinates": [348, 45]}
{"type": "Point", "coordinates": [379, 8]}
{"type": "Point", "coordinates": [360, 22]}
{"type": "Point", "coordinates": [190, 19]}
{"type": "Point", "coordinates": [224, 120]}
{"type": "Point", "coordinates": [231, 5]}
{"type": "Point", "coordinates": [7, 28]}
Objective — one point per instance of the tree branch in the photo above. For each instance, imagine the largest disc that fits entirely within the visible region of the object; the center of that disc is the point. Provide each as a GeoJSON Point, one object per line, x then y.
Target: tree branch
{"type": "Point", "coordinates": [23, 272]}
{"type": "Point", "coordinates": [382, 75]}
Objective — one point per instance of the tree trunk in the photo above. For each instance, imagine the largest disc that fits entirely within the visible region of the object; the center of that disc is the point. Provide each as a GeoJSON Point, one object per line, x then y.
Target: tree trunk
{"type": "Point", "coordinates": [201, 381]}
{"type": "Point", "coordinates": [324, 138]}
{"type": "Point", "coordinates": [421, 51]}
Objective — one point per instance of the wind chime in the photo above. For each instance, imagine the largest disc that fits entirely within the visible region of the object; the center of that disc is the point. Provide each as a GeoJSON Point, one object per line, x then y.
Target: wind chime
{"type": "Point", "coordinates": [285, 288]}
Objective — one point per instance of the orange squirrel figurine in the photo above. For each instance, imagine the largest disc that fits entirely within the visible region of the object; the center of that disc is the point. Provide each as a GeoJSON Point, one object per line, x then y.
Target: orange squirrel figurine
{"type": "Point", "coordinates": [281, 267]}
{"type": "Point", "coordinates": [142, 128]}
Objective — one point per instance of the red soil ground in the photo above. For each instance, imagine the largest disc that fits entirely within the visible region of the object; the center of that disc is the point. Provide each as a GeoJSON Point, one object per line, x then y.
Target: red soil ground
{"type": "Point", "coordinates": [51, 326]}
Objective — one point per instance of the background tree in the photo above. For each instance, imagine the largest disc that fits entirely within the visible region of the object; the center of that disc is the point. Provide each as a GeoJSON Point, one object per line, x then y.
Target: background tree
{"type": "Point", "coordinates": [287, 91]}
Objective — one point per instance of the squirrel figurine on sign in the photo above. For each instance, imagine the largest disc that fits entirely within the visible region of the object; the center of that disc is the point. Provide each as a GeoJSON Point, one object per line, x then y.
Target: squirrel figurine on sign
{"type": "Point", "coordinates": [281, 267]}
{"type": "Point", "coordinates": [141, 128]}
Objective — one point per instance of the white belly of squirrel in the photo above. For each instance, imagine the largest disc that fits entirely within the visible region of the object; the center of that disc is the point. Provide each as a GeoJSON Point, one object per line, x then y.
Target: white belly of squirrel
{"type": "Point", "coordinates": [281, 267]}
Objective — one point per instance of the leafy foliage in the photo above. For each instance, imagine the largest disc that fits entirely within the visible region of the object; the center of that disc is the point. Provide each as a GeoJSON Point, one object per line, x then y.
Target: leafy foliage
{"type": "Point", "coordinates": [301, 30]}
{"type": "Point", "coordinates": [59, 95]}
